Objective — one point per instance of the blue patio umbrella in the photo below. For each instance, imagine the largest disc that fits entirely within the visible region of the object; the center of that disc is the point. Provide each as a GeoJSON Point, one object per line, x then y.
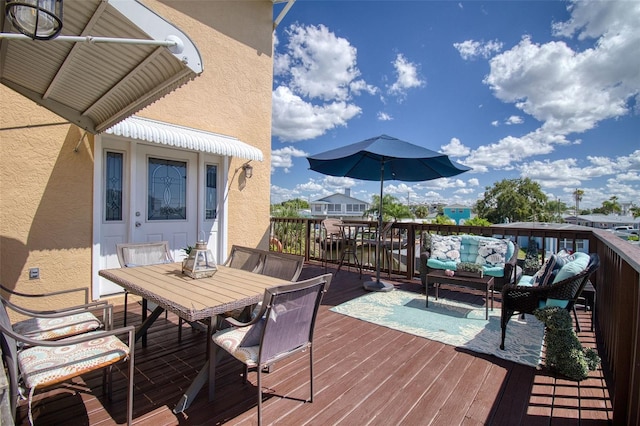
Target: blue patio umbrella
{"type": "Point", "coordinates": [384, 158]}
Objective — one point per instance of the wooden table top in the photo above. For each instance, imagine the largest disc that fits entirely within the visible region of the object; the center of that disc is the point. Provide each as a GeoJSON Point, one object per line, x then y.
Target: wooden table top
{"type": "Point", "coordinates": [193, 299]}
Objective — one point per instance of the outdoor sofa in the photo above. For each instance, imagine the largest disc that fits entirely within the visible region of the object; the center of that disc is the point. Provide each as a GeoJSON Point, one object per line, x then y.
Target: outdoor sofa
{"type": "Point", "coordinates": [447, 251]}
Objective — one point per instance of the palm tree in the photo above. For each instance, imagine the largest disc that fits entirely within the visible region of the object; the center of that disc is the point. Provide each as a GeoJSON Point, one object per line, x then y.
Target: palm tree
{"type": "Point", "coordinates": [577, 195]}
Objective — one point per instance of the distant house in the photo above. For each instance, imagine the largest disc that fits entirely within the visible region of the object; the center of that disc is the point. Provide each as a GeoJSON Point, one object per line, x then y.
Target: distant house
{"type": "Point", "coordinates": [602, 221]}
{"type": "Point", "coordinates": [338, 205]}
{"type": "Point", "coordinates": [457, 212]}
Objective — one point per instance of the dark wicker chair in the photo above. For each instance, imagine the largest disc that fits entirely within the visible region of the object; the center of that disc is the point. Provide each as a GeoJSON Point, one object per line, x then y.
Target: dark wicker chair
{"type": "Point", "coordinates": [525, 299]}
{"type": "Point", "coordinates": [265, 340]}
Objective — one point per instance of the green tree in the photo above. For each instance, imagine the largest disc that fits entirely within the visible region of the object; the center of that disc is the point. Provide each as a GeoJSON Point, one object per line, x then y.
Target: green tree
{"type": "Point", "coordinates": [635, 211]}
{"type": "Point", "coordinates": [515, 200]}
{"type": "Point", "coordinates": [611, 205]}
{"type": "Point", "coordinates": [477, 221]}
{"type": "Point", "coordinates": [577, 196]}
{"type": "Point", "coordinates": [296, 203]}
{"type": "Point", "coordinates": [554, 209]}
{"type": "Point", "coordinates": [420, 211]}
{"type": "Point", "coordinates": [444, 220]}
{"type": "Point", "coordinates": [391, 208]}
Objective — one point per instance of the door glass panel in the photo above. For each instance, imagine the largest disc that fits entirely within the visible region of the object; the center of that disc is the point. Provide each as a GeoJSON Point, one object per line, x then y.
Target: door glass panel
{"type": "Point", "coordinates": [211, 193]}
{"type": "Point", "coordinates": [167, 194]}
{"type": "Point", "coordinates": [113, 186]}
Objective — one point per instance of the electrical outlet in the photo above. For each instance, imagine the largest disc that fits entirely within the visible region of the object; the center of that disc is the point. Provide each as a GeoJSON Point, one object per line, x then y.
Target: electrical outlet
{"type": "Point", "coordinates": [34, 273]}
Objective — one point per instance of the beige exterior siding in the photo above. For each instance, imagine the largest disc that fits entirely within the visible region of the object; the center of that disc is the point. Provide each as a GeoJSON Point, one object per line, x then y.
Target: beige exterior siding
{"type": "Point", "coordinates": [46, 187]}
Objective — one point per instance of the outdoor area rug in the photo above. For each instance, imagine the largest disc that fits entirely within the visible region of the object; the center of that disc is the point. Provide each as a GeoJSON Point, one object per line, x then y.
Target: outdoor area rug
{"type": "Point", "coordinates": [450, 322]}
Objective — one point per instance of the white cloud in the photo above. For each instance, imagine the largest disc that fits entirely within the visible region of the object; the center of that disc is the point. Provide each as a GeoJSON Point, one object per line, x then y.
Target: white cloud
{"type": "Point", "coordinates": [514, 119]}
{"type": "Point", "coordinates": [295, 119]}
{"type": "Point", "coordinates": [495, 123]}
{"type": "Point", "coordinates": [570, 91]}
{"type": "Point", "coordinates": [282, 158]}
{"type": "Point", "coordinates": [407, 76]}
{"type": "Point", "coordinates": [383, 116]}
{"type": "Point", "coordinates": [316, 78]}
{"type": "Point", "coordinates": [455, 148]}
{"type": "Point", "coordinates": [470, 49]}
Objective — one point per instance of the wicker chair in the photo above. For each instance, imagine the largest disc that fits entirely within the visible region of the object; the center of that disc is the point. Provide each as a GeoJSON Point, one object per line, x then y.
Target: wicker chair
{"type": "Point", "coordinates": [265, 340]}
{"type": "Point", "coordinates": [38, 364]}
{"type": "Point", "coordinates": [517, 299]}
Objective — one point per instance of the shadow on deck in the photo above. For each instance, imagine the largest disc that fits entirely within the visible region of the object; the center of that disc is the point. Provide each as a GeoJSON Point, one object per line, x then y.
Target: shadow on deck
{"type": "Point", "coordinates": [364, 374]}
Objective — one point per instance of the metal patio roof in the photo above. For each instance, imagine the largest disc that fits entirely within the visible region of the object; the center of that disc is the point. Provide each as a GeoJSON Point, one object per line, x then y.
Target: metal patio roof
{"type": "Point", "coordinates": [97, 72]}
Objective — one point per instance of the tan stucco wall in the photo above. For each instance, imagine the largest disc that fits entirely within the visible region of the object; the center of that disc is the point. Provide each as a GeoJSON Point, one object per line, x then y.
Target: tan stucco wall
{"type": "Point", "coordinates": [45, 198]}
{"type": "Point", "coordinates": [232, 96]}
{"type": "Point", "coordinates": [46, 187]}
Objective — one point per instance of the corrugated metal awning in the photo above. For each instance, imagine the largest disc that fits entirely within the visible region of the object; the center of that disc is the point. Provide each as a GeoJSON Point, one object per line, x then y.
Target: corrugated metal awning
{"type": "Point", "coordinates": [106, 77]}
{"type": "Point", "coordinates": [176, 136]}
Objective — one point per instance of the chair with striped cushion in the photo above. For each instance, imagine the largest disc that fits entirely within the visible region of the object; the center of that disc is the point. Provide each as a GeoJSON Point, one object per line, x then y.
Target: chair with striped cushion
{"type": "Point", "coordinates": [283, 327]}
{"type": "Point", "coordinates": [37, 364]}
{"type": "Point", "coordinates": [59, 323]}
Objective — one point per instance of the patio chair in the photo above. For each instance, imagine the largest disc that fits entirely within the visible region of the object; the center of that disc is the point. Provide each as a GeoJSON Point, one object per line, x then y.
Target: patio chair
{"type": "Point", "coordinates": [283, 328]}
{"type": "Point", "coordinates": [282, 265]}
{"type": "Point", "coordinates": [331, 239]}
{"type": "Point", "coordinates": [521, 299]}
{"type": "Point", "coordinates": [142, 254]}
{"type": "Point", "coordinates": [385, 247]}
{"type": "Point", "coordinates": [59, 323]}
{"type": "Point", "coordinates": [36, 364]}
{"type": "Point", "coordinates": [245, 258]}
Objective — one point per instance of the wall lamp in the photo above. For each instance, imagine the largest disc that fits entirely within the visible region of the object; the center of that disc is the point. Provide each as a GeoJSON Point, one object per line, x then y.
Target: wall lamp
{"type": "Point", "coordinates": [248, 170]}
{"type": "Point", "coordinates": [37, 19]}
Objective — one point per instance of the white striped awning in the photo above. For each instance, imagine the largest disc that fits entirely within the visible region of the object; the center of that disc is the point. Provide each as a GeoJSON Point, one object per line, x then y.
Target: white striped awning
{"type": "Point", "coordinates": [175, 136]}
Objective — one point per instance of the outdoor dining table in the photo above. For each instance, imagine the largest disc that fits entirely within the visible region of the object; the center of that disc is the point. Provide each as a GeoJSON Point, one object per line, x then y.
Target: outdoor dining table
{"type": "Point", "coordinates": [200, 299]}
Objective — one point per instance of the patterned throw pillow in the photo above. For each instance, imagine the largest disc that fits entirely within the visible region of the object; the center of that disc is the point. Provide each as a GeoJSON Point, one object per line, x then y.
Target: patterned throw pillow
{"type": "Point", "coordinates": [446, 248]}
{"type": "Point", "coordinates": [545, 275]}
{"type": "Point", "coordinates": [492, 253]}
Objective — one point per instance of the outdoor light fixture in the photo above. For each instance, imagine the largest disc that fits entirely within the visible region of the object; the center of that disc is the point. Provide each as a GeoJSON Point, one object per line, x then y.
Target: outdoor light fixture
{"type": "Point", "coordinates": [248, 170]}
{"type": "Point", "coordinates": [37, 19]}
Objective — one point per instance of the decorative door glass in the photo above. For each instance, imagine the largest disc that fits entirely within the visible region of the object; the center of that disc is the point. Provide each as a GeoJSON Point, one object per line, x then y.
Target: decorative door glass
{"type": "Point", "coordinates": [167, 190]}
{"type": "Point", "coordinates": [113, 186]}
{"type": "Point", "coordinates": [211, 193]}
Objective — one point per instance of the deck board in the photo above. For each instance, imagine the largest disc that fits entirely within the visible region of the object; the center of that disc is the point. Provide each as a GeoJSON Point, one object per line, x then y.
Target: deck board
{"type": "Point", "coordinates": [364, 374]}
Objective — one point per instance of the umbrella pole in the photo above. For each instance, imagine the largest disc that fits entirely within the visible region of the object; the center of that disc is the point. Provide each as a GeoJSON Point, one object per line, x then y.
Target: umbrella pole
{"type": "Point", "coordinates": [378, 285]}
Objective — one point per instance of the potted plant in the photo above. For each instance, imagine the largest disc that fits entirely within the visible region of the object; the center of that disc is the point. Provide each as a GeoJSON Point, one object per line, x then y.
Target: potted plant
{"type": "Point", "coordinates": [469, 269]}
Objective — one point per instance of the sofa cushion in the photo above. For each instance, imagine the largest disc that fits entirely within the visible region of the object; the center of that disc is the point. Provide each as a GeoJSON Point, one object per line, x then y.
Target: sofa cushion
{"type": "Point", "coordinates": [580, 262]}
{"type": "Point", "coordinates": [441, 264]}
{"type": "Point", "coordinates": [470, 243]}
{"type": "Point", "coordinates": [545, 274]}
{"type": "Point", "coordinates": [445, 248]}
{"type": "Point", "coordinates": [492, 253]}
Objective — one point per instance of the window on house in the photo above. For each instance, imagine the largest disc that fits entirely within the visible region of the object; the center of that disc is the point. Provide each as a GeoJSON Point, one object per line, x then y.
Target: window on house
{"type": "Point", "coordinates": [167, 191]}
{"type": "Point", "coordinates": [113, 186]}
{"type": "Point", "coordinates": [211, 193]}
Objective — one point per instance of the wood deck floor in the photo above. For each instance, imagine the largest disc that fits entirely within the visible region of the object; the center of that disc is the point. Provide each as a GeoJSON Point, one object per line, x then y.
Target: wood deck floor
{"type": "Point", "coordinates": [364, 374]}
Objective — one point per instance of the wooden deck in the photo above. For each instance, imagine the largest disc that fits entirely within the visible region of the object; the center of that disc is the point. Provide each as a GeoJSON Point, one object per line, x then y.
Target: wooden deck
{"type": "Point", "coordinates": [364, 374]}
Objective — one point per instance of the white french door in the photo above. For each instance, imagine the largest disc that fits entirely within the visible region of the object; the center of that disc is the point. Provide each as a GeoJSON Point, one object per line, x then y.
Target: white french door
{"type": "Point", "coordinates": [150, 193]}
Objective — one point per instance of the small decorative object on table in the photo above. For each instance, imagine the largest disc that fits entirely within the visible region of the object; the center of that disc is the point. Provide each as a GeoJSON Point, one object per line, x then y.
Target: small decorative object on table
{"type": "Point", "coordinates": [469, 269]}
{"type": "Point", "coordinates": [200, 263]}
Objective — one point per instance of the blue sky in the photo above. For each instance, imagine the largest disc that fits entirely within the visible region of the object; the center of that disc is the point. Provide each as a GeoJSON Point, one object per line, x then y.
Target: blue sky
{"type": "Point", "coordinates": [548, 90]}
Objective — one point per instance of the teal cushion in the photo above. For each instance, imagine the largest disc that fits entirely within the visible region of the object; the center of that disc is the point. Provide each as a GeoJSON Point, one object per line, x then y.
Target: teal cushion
{"type": "Point", "coordinates": [441, 264]}
{"type": "Point", "coordinates": [572, 268]}
{"type": "Point", "coordinates": [553, 302]}
{"type": "Point", "coordinates": [494, 271]}
{"type": "Point", "coordinates": [526, 281]}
